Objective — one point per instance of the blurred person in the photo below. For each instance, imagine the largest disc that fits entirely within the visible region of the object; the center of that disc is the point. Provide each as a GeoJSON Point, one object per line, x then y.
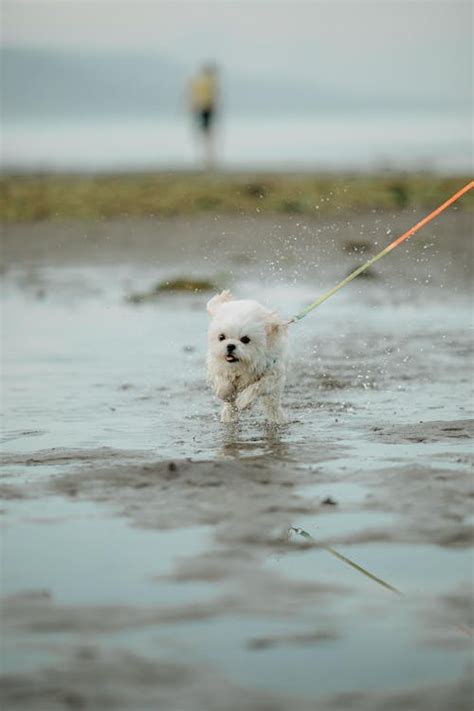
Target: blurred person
{"type": "Point", "coordinates": [203, 96]}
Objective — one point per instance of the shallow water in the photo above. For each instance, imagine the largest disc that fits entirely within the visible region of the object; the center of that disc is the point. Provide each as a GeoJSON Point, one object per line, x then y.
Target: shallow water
{"type": "Point", "coordinates": [379, 385]}
{"type": "Point", "coordinates": [437, 140]}
{"type": "Point", "coordinates": [116, 372]}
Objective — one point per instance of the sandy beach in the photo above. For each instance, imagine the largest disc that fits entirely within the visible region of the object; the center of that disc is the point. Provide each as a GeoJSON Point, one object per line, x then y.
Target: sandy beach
{"type": "Point", "coordinates": [156, 559]}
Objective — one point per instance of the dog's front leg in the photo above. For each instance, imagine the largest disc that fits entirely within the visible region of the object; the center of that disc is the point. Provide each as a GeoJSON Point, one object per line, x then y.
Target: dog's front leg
{"type": "Point", "coordinates": [228, 412]}
{"type": "Point", "coordinates": [223, 388]}
{"type": "Point", "coordinates": [269, 388]}
{"type": "Point", "coordinates": [248, 396]}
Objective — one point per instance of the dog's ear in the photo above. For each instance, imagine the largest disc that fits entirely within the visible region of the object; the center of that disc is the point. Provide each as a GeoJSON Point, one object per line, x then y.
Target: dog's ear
{"type": "Point", "coordinates": [274, 327]}
{"type": "Point", "coordinates": [217, 301]}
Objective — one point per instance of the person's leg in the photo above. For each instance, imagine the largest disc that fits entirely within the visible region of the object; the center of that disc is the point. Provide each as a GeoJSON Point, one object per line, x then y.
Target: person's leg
{"type": "Point", "coordinates": [208, 134]}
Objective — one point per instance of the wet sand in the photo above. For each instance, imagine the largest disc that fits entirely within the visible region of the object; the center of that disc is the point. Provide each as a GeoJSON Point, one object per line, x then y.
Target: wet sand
{"type": "Point", "coordinates": [149, 552]}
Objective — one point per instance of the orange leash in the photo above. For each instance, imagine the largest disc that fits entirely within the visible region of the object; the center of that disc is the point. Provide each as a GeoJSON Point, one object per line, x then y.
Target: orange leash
{"type": "Point", "coordinates": [385, 251]}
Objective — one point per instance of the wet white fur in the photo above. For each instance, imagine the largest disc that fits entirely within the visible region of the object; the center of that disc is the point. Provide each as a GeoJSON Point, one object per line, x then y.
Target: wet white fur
{"type": "Point", "coordinates": [260, 370]}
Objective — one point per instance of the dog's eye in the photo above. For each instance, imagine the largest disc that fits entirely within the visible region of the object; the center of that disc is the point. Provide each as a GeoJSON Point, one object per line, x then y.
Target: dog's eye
{"type": "Point", "coordinates": [245, 339]}
{"type": "Point", "coordinates": [222, 337]}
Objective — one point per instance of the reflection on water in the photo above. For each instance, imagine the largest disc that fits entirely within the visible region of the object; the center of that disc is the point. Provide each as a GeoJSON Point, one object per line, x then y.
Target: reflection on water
{"type": "Point", "coordinates": [345, 559]}
{"type": "Point", "coordinates": [237, 441]}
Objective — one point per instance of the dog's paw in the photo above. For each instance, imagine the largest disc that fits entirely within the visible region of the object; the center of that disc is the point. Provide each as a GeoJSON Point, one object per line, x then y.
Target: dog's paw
{"type": "Point", "coordinates": [277, 418]}
{"type": "Point", "coordinates": [274, 414]}
{"type": "Point", "coordinates": [228, 414]}
{"type": "Point", "coordinates": [246, 398]}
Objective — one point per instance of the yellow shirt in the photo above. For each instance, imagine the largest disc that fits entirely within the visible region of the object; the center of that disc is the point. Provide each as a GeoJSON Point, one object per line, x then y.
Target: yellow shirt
{"type": "Point", "coordinates": [203, 91]}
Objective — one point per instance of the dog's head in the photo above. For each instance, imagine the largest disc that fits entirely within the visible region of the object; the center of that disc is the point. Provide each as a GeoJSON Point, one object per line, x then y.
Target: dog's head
{"type": "Point", "coordinates": [242, 333]}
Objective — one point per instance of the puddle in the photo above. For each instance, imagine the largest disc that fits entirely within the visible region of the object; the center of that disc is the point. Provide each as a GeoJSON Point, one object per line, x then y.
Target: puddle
{"type": "Point", "coordinates": [78, 555]}
{"type": "Point", "coordinates": [71, 555]}
{"type": "Point", "coordinates": [98, 393]}
{"type": "Point", "coordinates": [308, 670]}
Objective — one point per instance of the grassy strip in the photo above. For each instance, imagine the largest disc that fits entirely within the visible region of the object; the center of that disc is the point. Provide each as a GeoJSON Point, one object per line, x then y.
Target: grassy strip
{"type": "Point", "coordinates": [56, 197]}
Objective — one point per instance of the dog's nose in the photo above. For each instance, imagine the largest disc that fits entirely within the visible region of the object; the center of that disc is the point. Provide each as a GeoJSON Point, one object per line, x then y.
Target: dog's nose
{"type": "Point", "coordinates": [230, 347]}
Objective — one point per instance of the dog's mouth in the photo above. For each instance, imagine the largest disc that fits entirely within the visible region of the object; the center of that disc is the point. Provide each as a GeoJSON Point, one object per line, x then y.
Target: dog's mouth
{"type": "Point", "coordinates": [231, 358]}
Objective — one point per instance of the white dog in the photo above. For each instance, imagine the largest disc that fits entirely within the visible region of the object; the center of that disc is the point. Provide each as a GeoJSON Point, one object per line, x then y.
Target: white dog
{"type": "Point", "coordinates": [246, 356]}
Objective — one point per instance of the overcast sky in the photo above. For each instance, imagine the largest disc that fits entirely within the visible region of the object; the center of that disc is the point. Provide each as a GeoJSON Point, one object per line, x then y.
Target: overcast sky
{"type": "Point", "coordinates": [422, 46]}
